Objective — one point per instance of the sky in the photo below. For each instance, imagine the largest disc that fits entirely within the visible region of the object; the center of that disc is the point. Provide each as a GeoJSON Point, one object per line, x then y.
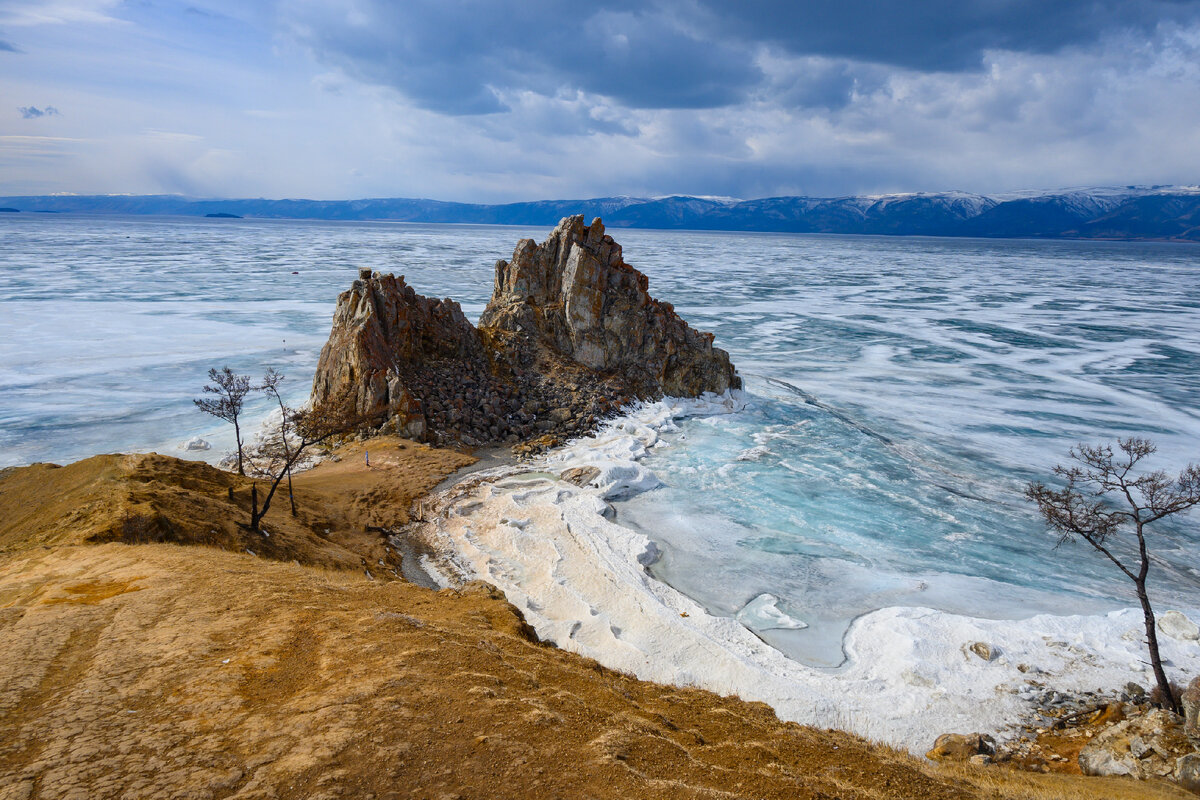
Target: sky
{"type": "Point", "coordinates": [501, 101]}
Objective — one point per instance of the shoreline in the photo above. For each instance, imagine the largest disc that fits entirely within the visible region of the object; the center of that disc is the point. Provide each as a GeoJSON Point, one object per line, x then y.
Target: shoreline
{"type": "Point", "coordinates": [360, 665]}
{"type": "Point", "coordinates": [908, 673]}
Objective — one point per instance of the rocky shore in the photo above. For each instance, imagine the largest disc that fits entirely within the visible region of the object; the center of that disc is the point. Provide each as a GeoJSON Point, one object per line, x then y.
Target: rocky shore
{"type": "Point", "coordinates": [570, 335]}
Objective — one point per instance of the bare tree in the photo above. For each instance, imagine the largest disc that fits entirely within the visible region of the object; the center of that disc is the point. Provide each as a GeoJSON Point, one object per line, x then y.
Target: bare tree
{"type": "Point", "coordinates": [282, 450]}
{"type": "Point", "coordinates": [279, 439]}
{"type": "Point", "coordinates": [1085, 508]}
{"type": "Point", "coordinates": [231, 391]}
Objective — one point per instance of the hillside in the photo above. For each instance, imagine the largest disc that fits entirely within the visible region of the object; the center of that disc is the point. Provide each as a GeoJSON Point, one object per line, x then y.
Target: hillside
{"type": "Point", "coordinates": [206, 664]}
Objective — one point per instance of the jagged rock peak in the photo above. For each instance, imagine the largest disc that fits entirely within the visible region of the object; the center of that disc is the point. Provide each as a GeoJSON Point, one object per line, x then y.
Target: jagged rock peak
{"type": "Point", "coordinates": [575, 294]}
{"type": "Point", "coordinates": [384, 337]}
{"type": "Point", "coordinates": [570, 336]}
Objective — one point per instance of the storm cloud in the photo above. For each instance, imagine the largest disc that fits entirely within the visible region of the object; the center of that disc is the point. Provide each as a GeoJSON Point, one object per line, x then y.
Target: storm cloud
{"type": "Point", "coordinates": [937, 35]}
{"type": "Point", "coordinates": [461, 56]}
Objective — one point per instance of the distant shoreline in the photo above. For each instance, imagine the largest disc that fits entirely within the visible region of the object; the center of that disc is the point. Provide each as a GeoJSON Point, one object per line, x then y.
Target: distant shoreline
{"type": "Point", "coordinates": [1157, 213]}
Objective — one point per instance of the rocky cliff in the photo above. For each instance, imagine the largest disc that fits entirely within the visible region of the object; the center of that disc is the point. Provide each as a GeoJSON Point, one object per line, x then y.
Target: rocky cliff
{"type": "Point", "coordinates": [575, 295]}
{"type": "Point", "coordinates": [570, 334]}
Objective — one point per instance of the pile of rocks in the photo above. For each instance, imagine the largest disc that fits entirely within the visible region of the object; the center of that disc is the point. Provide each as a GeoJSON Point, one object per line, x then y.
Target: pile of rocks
{"type": "Point", "coordinates": [569, 336]}
{"type": "Point", "coordinates": [1120, 736]}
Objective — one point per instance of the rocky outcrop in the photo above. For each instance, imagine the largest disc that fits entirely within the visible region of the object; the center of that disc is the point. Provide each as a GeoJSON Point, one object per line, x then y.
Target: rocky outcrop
{"type": "Point", "coordinates": [1144, 746]}
{"type": "Point", "coordinates": [961, 747]}
{"type": "Point", "coordinates": [574, 295]}
{"type": "Point", "coordinates": [390, 345]}
{"type": "Point", "coordinates": [570, 335]}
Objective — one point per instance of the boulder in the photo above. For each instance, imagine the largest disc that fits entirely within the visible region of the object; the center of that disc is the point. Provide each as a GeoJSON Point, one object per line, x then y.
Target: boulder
{"type": "Point", "coordinates": [1187, 772]}
{"type": "Point", "coordinates": [195, 443]}
{"type": "Point", "coordinates": [961, 747]}
{"type": "Point", "coordinates": [984, 651]}
{"type": "Point", "coordinates": [1142, 747]}
{"type": "Point", "coordinates": [1190, 700]}
{"type": "Point", "coordinates": [1175, 624]}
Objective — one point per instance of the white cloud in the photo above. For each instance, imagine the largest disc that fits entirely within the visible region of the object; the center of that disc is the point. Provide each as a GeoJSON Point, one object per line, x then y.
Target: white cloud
{"type": "Point", "coordinates": [24, 13]}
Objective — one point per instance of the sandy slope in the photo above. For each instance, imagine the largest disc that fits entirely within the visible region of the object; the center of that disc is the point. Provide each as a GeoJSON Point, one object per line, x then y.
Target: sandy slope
{"type": "Point", "coordinates": [156, 670]}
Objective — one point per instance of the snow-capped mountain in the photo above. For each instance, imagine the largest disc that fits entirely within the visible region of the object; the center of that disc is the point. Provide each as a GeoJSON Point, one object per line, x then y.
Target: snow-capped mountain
{"type": "Point", "coordinates": [1128, 212]}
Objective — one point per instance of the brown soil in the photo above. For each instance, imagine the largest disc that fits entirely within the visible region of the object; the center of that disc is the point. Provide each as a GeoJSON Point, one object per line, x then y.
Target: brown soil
{"type": "Point", "coordinates": [138, 499]}
{"type": "Point", "coordinates": [157, 670]}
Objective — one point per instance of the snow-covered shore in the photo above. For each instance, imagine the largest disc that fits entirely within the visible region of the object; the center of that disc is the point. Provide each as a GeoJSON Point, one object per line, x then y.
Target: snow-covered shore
{"type": "Point", "coordinates": [911, 674]}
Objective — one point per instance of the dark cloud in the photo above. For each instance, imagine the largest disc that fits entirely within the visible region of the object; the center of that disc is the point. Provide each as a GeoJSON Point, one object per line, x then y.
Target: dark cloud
{"type": "Point", "coordinates": [821, 83]}
{"type": "Point", "coordinates": [33, 112]}
{"type": "Point", "coordinates": [463, 57]}
{"type": "Point", "coordinates": [935, 35]}
{"type": "Point", "coordinates": [458, 57]}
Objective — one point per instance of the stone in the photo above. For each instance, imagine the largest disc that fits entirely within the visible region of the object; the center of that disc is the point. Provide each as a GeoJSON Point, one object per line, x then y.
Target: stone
{"type": "Point", "coordinates": [961, 747]}
{"type": "Point", "coordinates": [1187, 772]}
{"type": "Point", "coordinates": [580, 476]}
{"type": "Point", "coordinates": [984, 651]}
{"type": "Point", "coordinates": [195, 443]}
{"type": "Point", "coordinates": [385, 338]}
{"type": "Point", "coordinates": [1190, 700]}
{"type": "Point", "coordinates": [1140, 747]}
{"type": "Point", "coordinates": [1176, 625]}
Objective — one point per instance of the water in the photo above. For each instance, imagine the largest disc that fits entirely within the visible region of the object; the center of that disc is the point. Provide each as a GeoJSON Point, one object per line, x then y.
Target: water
{"type": "Point", "coordinates": [901, 390]}
{"type": "Point", "coordinates": [108, 326]}
{"type": "Point", "coordinates": [906, 390]}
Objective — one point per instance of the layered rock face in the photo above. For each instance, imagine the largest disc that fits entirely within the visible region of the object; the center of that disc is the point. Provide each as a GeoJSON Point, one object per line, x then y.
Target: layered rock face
{"type": "Point", "coordinates": [393, 350]}
{"type": "Point", "coordinates": [575, 294]}
{"type": "Point", "coordinates": [569, 336]}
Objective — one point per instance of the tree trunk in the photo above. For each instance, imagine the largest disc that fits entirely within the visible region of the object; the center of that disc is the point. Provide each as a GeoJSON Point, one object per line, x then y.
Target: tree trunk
{"type": "Point", "coordinates": [291, 494]}
{"type": "Point", "coordinates": [254, 515]}
{"type": "Point", "coordinates": [237, 435]}
{"type": "Point", "coordinates": [1164, 686]}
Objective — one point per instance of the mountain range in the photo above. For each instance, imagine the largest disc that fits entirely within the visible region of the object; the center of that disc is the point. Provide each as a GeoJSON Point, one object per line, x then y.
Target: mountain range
{"type": "Point", "coordinates": [1125, 213]}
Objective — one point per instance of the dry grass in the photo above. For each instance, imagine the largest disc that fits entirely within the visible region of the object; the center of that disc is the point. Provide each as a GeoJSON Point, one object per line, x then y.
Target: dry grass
{"type": "Point", "coordinates": [1001, 782]}
{"type": "Point", "coordinates": [161, 670]}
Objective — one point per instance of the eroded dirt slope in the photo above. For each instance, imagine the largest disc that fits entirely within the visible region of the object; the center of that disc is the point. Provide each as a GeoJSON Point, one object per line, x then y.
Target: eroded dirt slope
{"type": "Point", "coordinates": [159, 670]}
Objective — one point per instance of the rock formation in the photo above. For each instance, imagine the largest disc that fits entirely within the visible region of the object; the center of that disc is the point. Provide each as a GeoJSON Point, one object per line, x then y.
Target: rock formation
{"type": "Point", "coordinates": [388, 342]}
{"type": "Point", "coordinates": [575, 295]}
{"type": "Point", "coordinates": [569, 336]}
{"type": "Point", "coordinates": [1148, 745]}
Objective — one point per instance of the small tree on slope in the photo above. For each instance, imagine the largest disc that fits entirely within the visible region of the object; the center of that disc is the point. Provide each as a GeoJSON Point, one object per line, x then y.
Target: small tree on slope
{"type": "Point", "coordinates": [286, 448]}
{"type": "Point", "coordinates": [282, 447]}
{"type": "Point", "coordinates": [231, 391]}
{"type": "Point", "coordinates": [1103, 498]}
